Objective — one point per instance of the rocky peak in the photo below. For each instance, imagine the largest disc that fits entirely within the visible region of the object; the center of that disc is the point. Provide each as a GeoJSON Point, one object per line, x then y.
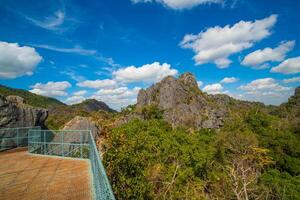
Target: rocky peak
{"type": "Point", "coordinates": [182, 103]}
{"type": "Point", "coordinates": [188, 79]}
{"type": "Point", "coordinates": [297, 91]}
{"type": "Point", "coordinates": [91, 105]}
{"type": "Point", "coordinates": [15, 99]}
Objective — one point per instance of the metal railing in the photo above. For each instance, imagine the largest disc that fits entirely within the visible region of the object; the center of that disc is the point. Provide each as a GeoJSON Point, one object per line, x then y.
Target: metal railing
{"type": "Point", "coordinates": [76, 144]}
{"type": "Point", "coordinates": [15, 137]}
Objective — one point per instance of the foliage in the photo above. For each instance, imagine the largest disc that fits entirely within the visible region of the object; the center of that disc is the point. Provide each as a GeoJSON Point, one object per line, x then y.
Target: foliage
{"type": "Point", "coordinates": [253, 156]}
{"type": "Point", "coordinates": [281, 184]}
{"type": "Point", "coordinates": [149, 160]}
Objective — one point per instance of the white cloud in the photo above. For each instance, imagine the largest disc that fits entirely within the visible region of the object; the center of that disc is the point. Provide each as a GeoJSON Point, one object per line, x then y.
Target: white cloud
{"type": "Point", "coordinates": [76, 49]}
{"type": "Point", "coordinates": [147, 73]}
{"type": "Point", "coordinates": [199, 83]}
{"type": "Point", "coordinates": [229, 80]}
{"type": "Point", "coordinates": [76, 97]}
{"type": "Point", "coordinates": [74, 100]}
{"type": "Point", "coordinates": [73, 75]}
{"type": "Point", "coordinates": [17, 60]}
{"type": "Point", "coordinates": [80, 93]}
{"type": "Point", "coordinates": [258, 58]}
{"type": "Point", "coordinates": [51, 89]}
{"type": "Point", "coordinates": [289, 66]}
{"type": "Point", "coordinates": [217, 43]}
{"type": "Point", "coordinates": [179, 4]}
{"type": "Point", "coordinates": [292, 80]}
{"type": "Point", "coordinates": [51, 22]}
{"type": "Point", "coordinates": [216, 88]}
{"type": "Point", "coordinates": [263, 84]}
{"type": "Point", "coordinates": [266, 90]}
{"type": "Point", "coordinates": [98, 84]}
{"type": "Point", "coordinates": [117, 97]}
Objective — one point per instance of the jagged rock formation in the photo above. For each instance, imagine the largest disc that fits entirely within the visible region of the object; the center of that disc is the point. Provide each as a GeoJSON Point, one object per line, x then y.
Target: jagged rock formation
{"type": "Point", "coordinates": [182, 103]}
{"type": "Point", "coordinates": [295, 99]}
{"type": "Point", "coordinates": [15, 113]}
{"type": "Point", "coordinates": [91, 105]}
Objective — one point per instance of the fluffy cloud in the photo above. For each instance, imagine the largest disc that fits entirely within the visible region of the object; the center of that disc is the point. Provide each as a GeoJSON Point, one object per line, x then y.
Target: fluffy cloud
{"type": "Point", "coordinates": [216, 88]}
{"type": "Point", "coordinates": [80, 93]}
{"type": "Point", "coordinates": [147, 73]}
{"type": "Point", "coordinates": [74, 100]}
{"type": "Point", "coordinates": [266, 90]}
{"type": "Point", "coordinates": [17, 61]}
{"type": "Point", "coordinates": [216, 44]}
{"type": "Point", "coordinates": [257, 58]}
{"type": "Point", "coordinates": [289, 66]}
{"type": "Point", "coordinates": [98, 84]}
{"type": "Point", "coordinates": [117, 97]}
{"type": "Point", "coordinates": [76, 97]}
{"type": "Point", "coordinates": [179, 4]}
{"type": "Point", "coordinates": [199, 83]}
{"type": "Point", "coordinates": [51, 89]}
{"type": "Point", "coordinates": [263, 84]}
{"type": "Point", "coordinates": [292, 80]}
{"type": "Point", "coordinates": [229, 80]}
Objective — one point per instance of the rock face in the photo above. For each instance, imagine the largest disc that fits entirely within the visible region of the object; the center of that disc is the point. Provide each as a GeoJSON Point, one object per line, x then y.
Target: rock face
{"type": "Point", "coordinates": [91, 105]}
{"type": "Point", "coordinates": [294, 101]}
{"type": "Point", "coordinates": [15, 113]}
{"type": "Point", "coordinates": [182, 103]}
{"type": "Point", "coordinates": [83, 123]}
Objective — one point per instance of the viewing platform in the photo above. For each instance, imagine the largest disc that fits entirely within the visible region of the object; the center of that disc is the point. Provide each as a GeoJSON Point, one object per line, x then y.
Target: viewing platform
{"type": "Point", "coordinates": [34, 177]}
{"type": "Point", "coordinates": [40, 164]}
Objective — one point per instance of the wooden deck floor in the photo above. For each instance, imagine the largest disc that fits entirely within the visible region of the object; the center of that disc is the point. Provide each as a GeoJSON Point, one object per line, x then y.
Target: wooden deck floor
{"type": "Point", "coordinates": [33, 177]}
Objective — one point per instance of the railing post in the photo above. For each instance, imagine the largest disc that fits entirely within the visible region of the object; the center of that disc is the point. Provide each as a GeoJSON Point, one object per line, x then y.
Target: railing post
{"type": "Point", "coordinates": [81, 146]}
{"type": "Point", "coordinates": [62, 144]}
{"type": "Point", "coordinates": [44, 143]}
{"type": "Point", "coordinates": [17, 137]}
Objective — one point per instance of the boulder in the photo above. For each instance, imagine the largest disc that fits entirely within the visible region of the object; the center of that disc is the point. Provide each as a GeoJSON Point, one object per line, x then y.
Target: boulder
{"type": "Point", "coordinates": [83, 123]}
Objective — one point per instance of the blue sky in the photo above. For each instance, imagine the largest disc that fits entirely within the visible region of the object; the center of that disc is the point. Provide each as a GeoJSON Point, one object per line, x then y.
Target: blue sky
{"type": "Point", "coordinates": [108, 50]}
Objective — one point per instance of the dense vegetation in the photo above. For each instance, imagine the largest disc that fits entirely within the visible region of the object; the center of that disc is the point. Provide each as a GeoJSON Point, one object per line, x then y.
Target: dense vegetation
{"type": "Point", "coordinates": [256, 155]}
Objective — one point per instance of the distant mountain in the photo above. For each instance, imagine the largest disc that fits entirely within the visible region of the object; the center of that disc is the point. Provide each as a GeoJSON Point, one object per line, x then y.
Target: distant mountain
{"type": "Point", "coordinates": [91, 105]}
{"type": "Point", "coordinates": [31, 98]}
{"type": "Point", "coordinates": [59, 113]}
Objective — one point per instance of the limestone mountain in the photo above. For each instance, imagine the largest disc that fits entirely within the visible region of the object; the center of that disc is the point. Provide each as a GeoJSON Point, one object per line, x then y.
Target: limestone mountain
{"type": "Point", "coordinates": [91, 105]}
{"type": "Point", "coordinates": [182, 103]}
{"type": "Point", "coordinates": [58, 112]}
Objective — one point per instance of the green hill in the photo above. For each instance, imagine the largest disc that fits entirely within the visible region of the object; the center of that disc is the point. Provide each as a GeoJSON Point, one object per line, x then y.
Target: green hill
{"type": "Point", "coordinates": [31, 98]}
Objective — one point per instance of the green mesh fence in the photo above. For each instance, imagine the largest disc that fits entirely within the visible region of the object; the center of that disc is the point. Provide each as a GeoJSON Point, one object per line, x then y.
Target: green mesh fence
{"type": "Point", "coordinates": [76, 144]}
{"type": "Point", "coordinates": [15, 137]}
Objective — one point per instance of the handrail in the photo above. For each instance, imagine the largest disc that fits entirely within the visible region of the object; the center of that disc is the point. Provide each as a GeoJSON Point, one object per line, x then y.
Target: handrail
{"type": "Point", "coordinates": [104, 192]}
{"type": "Point", "coordinates": [42, 145]}
{"type": "Point", "coordinates": [15, 137]}
{"type": "Point", "coordinates": [28, 127]}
